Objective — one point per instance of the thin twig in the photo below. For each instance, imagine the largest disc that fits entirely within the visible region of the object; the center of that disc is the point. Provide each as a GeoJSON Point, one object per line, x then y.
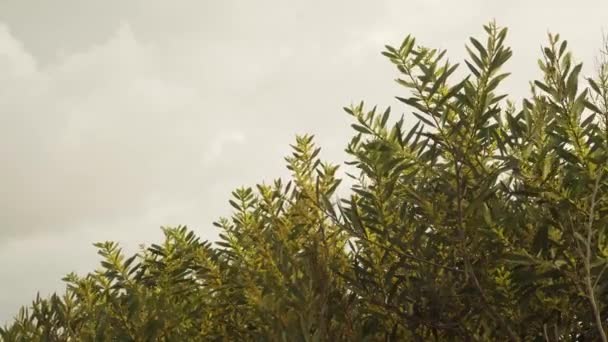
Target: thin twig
{"type": "Point", "coordinates": [587, 262]}
{"type": "Point", "coordinates": [468, 267]}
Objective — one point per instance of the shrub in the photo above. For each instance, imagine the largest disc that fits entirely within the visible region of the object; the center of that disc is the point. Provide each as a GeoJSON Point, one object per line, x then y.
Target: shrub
{"type": "Point", "coordinates": [483, 221]}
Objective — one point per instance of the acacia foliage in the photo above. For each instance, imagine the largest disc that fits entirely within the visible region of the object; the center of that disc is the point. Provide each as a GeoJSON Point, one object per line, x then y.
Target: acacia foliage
{"type": "Point", "coordinates": [483, 221]}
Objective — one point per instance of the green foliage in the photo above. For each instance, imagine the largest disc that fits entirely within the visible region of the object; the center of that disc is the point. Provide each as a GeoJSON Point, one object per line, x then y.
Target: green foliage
{"type": "Point", "coordinates": [483, 221]}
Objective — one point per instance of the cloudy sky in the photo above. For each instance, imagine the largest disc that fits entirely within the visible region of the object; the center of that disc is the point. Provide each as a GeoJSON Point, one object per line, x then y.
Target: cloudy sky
{"type": "Point", "coordinates": [118, 117]}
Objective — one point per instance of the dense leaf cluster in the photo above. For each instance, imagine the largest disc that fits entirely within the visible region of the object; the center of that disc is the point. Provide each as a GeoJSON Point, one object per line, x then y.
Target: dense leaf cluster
{"type": "Point", "coordinates": [482, 222]}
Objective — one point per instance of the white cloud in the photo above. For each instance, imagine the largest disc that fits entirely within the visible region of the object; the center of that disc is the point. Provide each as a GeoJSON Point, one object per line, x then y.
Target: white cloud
{"type": "Point", "coordinates": [89, 138]}
{"type": "Point", "coordinates": [15, 61]}
{"type": "Point", "coordinates": [223, 140]}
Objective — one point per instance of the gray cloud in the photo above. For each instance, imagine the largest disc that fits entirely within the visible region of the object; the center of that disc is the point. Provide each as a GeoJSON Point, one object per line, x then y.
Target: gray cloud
{"type": "Point", "coordinates": [117, 117]}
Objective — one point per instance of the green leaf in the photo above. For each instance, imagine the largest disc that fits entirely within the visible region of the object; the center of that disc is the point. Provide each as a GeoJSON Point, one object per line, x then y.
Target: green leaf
{"type": "Point", "coordinates": [579, 237]}
{"type": "Point", "coordinates": [405, 42]}
{"type": "Point", "coordinates": [411, 133]}
{"type": "Point", "coordinates": [473, 69]}
{"type": "Point", "coordinates": [541, 239]}
{"type": "Point", "coordinates": [406, 48]}
{"type": "Point", "coordinates": [592, 107]}
{"type": "Point", "coordinates": [385, 116]}
{"type": "Point", "coordinates": [501, 59]}
{"type": "Point", "coordinates": [549, 54]}
{"type": "Point", "coordinates": [562, 47]}
{"type": "Point", "coordinates": [442, 79]}
{"type": "Point", "coordinates": [567, 155]}
{"type": "Point", "coordinates": [411, 101]}
{"type": "Point", "coordinates": [518, 259]}
{"type": "Point", "coordinates": [496, 81]}
{"type": "Point", "coordinates": [451, 93]}
{"type": "Point", "coordinates": [487, 215]}
{"type": "Point", "coordinates": [235, 205]}
{"type": "Point", "coordinates": [588, 120]}
{"type": "Point", "coordinates": [423, 119]}
{"type": "Point", "coordinates": [543, 87]}
{"type": "Point", "coordinates": [594, 85]}
{"type": "Point", "coordinates": [361, 129]}
{"type": "Point", "coordinates": [475, 59]}
{"type": "Point", "coordinates": [572, 83]}
{"type": "Point", "coordinates": [482, 51]}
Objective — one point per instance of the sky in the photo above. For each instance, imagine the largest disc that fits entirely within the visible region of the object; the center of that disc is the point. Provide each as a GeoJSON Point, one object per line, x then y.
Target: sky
{"type": "Point", "coordinates": [118, 117]}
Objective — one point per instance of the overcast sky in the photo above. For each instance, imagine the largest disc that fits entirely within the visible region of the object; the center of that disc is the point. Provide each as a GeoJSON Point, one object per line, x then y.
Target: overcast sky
{"type": "Point", "coordinates": [118, 117]}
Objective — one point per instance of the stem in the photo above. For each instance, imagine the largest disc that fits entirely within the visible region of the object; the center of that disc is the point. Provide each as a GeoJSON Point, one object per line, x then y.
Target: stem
{"type": "Point", "coordinates": [468, 267]}
{"type": "Point", "coordinates": [587, 261]}
{"type": "Point", "coordinates": [401, 253]}
{"type": "Point", "coordinates": [545, 333]}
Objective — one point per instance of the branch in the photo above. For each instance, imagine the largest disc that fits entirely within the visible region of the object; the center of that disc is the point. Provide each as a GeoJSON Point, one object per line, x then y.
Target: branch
{"type": "Point", "coordinates": [587, 261]}
{"type": "Point", "coordinates": [468, 267]}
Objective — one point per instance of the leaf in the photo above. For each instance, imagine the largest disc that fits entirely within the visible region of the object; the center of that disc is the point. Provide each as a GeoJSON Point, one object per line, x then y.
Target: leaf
{"type": "Point", "coordinates": [480, 48]}
{"type": "Point", "coordinates": [389, 54]}
{"type": "Point", "coordinates": [361, 129]}
{"type": "Point", "coordinates": [562, 47]}
{"type": "Point", "coordinates": [547, 164]}
{"type": "Point", "coordinates": [594, 85]}
{"type": "Point", "coordinates": [420, 55]}
{"type": "Point", "coordinates": [442, 79]}
{"type": "Point", "coordinates": [355, 218]}
{"type": "Point", "coordinates": [588, 120]}
{"type": "Point", "coordinates": [567, 155]}
{"type": "Point", "coordinates": [129, 261]}
{"type": "Point", "coordinates": [501, 59]}
{"type": "Point", "coordinates": [407, 48]}
{"type": "Point", "coordinates": [487, 215]}
{"type": "Point", "coordinates": [234, 205]}
{"type": "Point", "coordinates": [549, 54]}
{"type": "Point", "coordinates": [592, 107]}
{"type": "Point", "coordinates": [518, 259]}
{"type": "Point", "coordinates": [423, 119]}
{"type": "Point", "coordinates": [151, 329]}
{"type": "Point", "coordinates": [543, 86]}
{"type": "Point", "coordinates": [451, 93]}
{"type": "Point", "coordinates": [388, 277]}
{"type": "Point", "coordinates": [473, 69]}
{"type": "Point", "coordinates": [572, 83]}
{"type": "Point", "coordinates": [412, 101]}
{"type": "Point", "coordinates": [411, 133]}
{"type": "Point", "coordinates": [541, 239]}
{"type": "Point", "coordinates": [385, 116]}
{"type": "Point", "coordinates": [496, 80]}
{"type": "Point", "coordinates": [405, 42]}
{"type": "Point", "coordinates": [579, 237]}
{"type": "Point", "coordinates": [475, 59]}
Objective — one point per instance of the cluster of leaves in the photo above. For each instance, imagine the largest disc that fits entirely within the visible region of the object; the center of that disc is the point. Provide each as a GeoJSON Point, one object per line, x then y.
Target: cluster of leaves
{"type": "Point", "coordinates": [481, 222]}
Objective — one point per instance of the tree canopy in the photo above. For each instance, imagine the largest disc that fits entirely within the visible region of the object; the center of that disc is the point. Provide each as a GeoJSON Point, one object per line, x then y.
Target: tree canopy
{"type": "Point", "coordinates": [484, 221]}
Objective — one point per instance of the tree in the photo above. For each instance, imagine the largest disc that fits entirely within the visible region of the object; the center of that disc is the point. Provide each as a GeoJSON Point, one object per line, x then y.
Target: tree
{"type": "Point", "coordinates": [483, 221]}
